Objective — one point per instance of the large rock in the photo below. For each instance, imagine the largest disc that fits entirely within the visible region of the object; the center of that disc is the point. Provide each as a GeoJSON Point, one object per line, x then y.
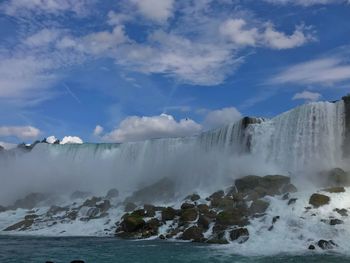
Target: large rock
{"type": "Point", "coordinates": [318, 200]}
{"type": "Point", "coordinates": [325, 245]}
{"type": "Point", "coordinates": [113, 193]}
{"type": "Point", "coordinates": [163, 190]}
{"type": "Point", "coordinates": [188, 215]}
{"type": "Point", "coordinates": [258, 207]}
{"type": "Point", "coordinates": [132, 223]}
{"type": "Point", "coordinates": [92, 202]}
{"type": "Point", "coordinates": [30, 201]}
{"type": "Point", "coordinates": [247, 183]}
{"type": "Point", "coordinates": [336, 189]}
{"type": "Point", "coordinates": [168, 213]}
{"type": "Point", "coordinates": [231, 217]}
{"type": "Point", "coordinates": [22, 225]}
{"type": "Point", "coordinates": [338, 177]}
{"type": "Point", "coordinates": [240, 235]}
{"type": "Point", "coordinates": [193, 233]}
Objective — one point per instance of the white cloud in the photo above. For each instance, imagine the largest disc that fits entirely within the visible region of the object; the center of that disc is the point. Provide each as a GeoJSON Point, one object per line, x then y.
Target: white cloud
{"type": "Point", "coordinates": [155, 10]}
{"type": "Point", "coordinates": [7, 146]}
{"type": "Point", "coordinates": [222, 117]}
{"type": "Point", "coordinates": [51, 139]}
{"type": "Point", "coordinates": [307, 95]}
{"type": "Point", "coordinates": [14, 7]}
{"type": "Point", "coordinates": [98, 130]}
{"type": "Point", "coordinates": [136, 128]}
{"type": "Point", "coordinates": [240, 33]}
{"type": "Point", "coordinates": [305, 2]}
{"type": "Point", "coordinates": [21, 132]}
{"type": "Point", "coordinates": [324, 71]}
{"type": "Point", "coordinates": [71, 140]}
{"type": "Point", "coordinates": [42, 38]}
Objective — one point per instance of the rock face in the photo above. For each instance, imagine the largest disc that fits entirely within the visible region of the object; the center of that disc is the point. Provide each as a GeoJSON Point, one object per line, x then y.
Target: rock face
{"type": "Point", "coordinates": [30, 201]}
{"type": "Point", "coordinates": [163, 190]}
{"type": "Point", "coordinates": [22, 225]}
{"type": "Point", "coordinates": [318, 200]}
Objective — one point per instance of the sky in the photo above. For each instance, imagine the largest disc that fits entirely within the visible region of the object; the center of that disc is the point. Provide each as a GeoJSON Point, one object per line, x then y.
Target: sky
{"type": "Point", "coordinates": [129, 70]}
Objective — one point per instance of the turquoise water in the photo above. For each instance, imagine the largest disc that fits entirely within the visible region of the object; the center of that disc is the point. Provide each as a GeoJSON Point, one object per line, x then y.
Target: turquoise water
{"type": "Point", "coordinates": [110, 250]}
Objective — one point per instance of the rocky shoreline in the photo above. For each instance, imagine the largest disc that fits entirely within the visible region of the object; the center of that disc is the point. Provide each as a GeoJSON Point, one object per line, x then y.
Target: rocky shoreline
{"type": "Point", "coordinates": [221, 218]}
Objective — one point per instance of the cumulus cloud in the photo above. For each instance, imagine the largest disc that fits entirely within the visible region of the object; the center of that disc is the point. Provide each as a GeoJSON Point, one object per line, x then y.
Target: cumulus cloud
{"type": "Point", "coordinates": [240, 33]}
{"type": "Point", "coordinates": [155, 10]}
{"type": "Point", "coordinates": [219, 118]}
{"type": "Point", "coordinates": [21, 132]}
{"type": "Point", "coordinates": [323, 71]}
{"type": "Point", "coordinates": [71, 140]}
{"type": "Point", "coordinates": [136, 128]}
{"type": "Point", "coordinates": [307, 95]}
{"type": "Point", "coordinates": [98, 130]}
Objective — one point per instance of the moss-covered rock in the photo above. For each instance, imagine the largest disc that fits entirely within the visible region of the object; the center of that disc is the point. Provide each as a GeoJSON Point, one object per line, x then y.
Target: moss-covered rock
{"type": "Point", "coordinates": [168, 213]}
{"type": "Point", "coordinates": [318, 200]}
{"type": "Point", "coordinates": [231, 217]}
{"type": "Point", "coordinates": [132, 223]}
{"type": "Point", "coordinates": [258, 207]}
{"type": "Point", "coordinates": [336, 189]}
{"type": "Point", "coordinates": [240, 235]}
{"type": "Point", "coordinates": [193, 233]}
{"type": "Point", "coordinates": [188, 215]}
{"type": "Point", "coordinates": [21, 226]}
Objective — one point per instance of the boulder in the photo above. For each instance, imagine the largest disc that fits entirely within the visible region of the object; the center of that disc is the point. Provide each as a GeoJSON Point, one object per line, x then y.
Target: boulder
{"type": "Point", "coordinates": [193, 197]}
{"type": "Point", "coordinates": [318, 200]}
{"type": "Point", "coordinates": [258, 207]}
{"type": "Point", "coordinates": [342, 212]}
{"type": "Point", "coordinates": [193, 233]}
{"type": "Point", "coordinates": [20, 226]}
{"type": "Point", "coordinates": [292, 201]}
{"type": "Point", "coordinates": [92, 202]}
{"type": "Point", "coordinates": [187, 206]}
{"type": "Point", "coordinates": [203, 208]}
{"type": "Point", "coordinates": [168, 213]}
{"type": "Point", "coordinates": [150, 210]}
{"type": "Point", "coordinates": [336, 189]}
{"type": "Point", "coordinates": [113, 193]}
{"type": "Point", "coordinates": [104, 206]}
{"type": "Point", "coordinates": [240, 235]}
{"type": "Point", "coordinates": [338, 177]}
{"type": "Point", "coordinates": [247, 183]}
{"type": "Point", "coordinates": [188, 215]}
{"type": "Point", "coordinates": [204, 221]}
{"type": "Point", "coordinates": [334, 222]}
{"type": "Point", "coordinates": [132, 223]}
{"type": "Point", "coordinates": [231, 217]}
{"type": "Point", "coordinates": [325, 245]}
{"type": "Point", "coordinates": [289, 188]}
{"type": "Point", "coordinates": [162, 190]}
{"type": "Point", "coordinates": [222, 203]}
{"type": "Point", "coordinates": [217, 195]}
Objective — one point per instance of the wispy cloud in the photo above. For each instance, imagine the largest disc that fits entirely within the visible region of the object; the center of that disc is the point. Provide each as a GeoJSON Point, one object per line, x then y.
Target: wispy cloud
{"type": "Point", "coordinates": [21, 132]}
{"type": "Point", "coordinates": [306, 2]}
{"type": "Point", "coordinates": [307, 95]}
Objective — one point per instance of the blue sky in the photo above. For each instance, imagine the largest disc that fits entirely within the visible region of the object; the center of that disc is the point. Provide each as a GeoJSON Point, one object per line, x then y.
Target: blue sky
{"type": "Point", "coordinates": [127, 70]}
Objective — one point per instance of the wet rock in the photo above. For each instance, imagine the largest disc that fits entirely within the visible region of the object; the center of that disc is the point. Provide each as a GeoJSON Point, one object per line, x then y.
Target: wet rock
{"type": "Point", "coordinates": [30, 201]}
{"type": "Point", "coordinates": [129, 207]}
{"type": "Point", "coordinates": [187, 206]}
{"type": "Point", "coordinates": [292, 201]}
{"type": "Point", "coordinates": [113, 193]}
{"type": "Point", "coordinates": [163, 190]}
{"type": "Point", "coordinates": [213, 240]}
{"type": "Point", "coordinates": [240, 235]}
{"type": "Point", "coordinates": [342, 212]}
{"type": "Point", "coordinates": [223, 203]}
{"type": "Point", "coordinates": [55, 210]}
{"type": "Point", "coordinates": [334, 222]}
{"type": "Point", "coordinates": [193, 197]}
{"type": "Point", "coordinates": [247, 183]}
{"type": "Point", "coordinates": [231, 217]}
{"type": "Point", "coordinates": [193, 233]}
{"type": "Point", "coordinates": [151, 228]}
{"type": "Point", "coordinates": [132, 223]}
{"type": "Point", "coordinates": [275, 219]}
{"type": "Point", "coordinates": [289, 188]}
{"type": "Point", "coordinates": [285, 196]}
{"type": "Point", "coordinates": [72, 215]}
{"type": "Point", "coordinates": [338, 189]}
{"type": "Point", "coordinates": [168, 213]}
{"type": "Point", "coordinates": [204, 221]}
{"type": "Point", "coordinates": [258, 207]}
{"type": "Point", "coordinates": [217, 195]}
{"type": "Point", "coordinates": [20, 226]}
{"type": "Point", "coordinates": [218, 235]}
{"type": "Point", "coordinates": [104, 206]}
{"type": "Point", "coordinates": [79, 195]}
{"type": "Point", "coordinates": [203, 208]}
{"type": "Point", "coordinates": [188, 215]}
{"type": "Point", "coordinates": [150, 210]}
{"type": "Point", "coordinates": [92, 202]}
{"type": "Point", "coordinates": [338, 177]}
{"type": "Point", "coordinates": [325, 245]}
{"type": "Point", "coordinates": [318, 200]}
{"type": "Point", "coordinates": [312, 247]}
{"type": "Point", "coordinates": [162, 237]}
{"type": "Point", "coordinates": [31, 217]}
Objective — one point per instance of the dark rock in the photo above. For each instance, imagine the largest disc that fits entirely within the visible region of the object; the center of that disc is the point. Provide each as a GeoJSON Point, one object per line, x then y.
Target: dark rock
{"type": "Point", "coordinates": [336, 189]}
{"type": "Point", "coordinates": [188, 215]}
{"type": "Point", "coordinates": [342, 212]}
{"type": "Point", "coordinates": [163, 190]}
{"type": "Point", "coordinates": [217, 195]}
{"type": "Point", "coordinates": [247, 183]}
{"type": "Point", "coordinates": [203, 208]}
{"type": "Point", "coordinates": [275, 219]}
{"type": "Point", "coordinates": [104, 206]}
{"type": "Point", "coordinates": [187, 206]}
{"type": "Point", "coordinates": [113, 193]}
{"type": "Point", "coordinates": [231, 217]}
{"type": "Point", "coordinates": [285, 196]}
{"type": "Point", "coordinates": [132, 223]}
{"type": "Point", "coordinates": [217, 241]}
{"type": "Point", "coordinates": [72, 215]}
{"type": "Point", "coordinates": [30, 201]}
{"type": "Point", "coordinates": [31, 217]}
{"type": "Point", "coordinates": [289, 188]}
{"type": "Point", "coordinates": [292, 201]}
{"type": "Point", "coordinates": [338, 177]}
{"type": "Point", "coordinates": [168, 213]}
{"type": "Point", "coordinates": [150, 210]}
{"type": "Point", "coordinates": [240, 235]}
{"type": "Point", "coordinates": [334, 222]}
{"type": "Point", "coordinates": [193, 197]}
{"type": "Point", "coordinates": [318, 200]}
{"type": "Point", "coordinates": [193, 233]}
{"type": "Point", "coordinates": [162, 237]}
{"type": "Point", "coordinates": [92, 202]}
{"type": "Point", "coordinates": [130, 207]}
{"type": "Point", "coordinates": [55, 210]}
{"type": "Point", "coordinates": [204, 221]}
{"type": "Point", "coordinates": [20, 226]}
{"type": "Point", "coordinates": [312, 247]}
{"type": "Point", "coordinates": [258, 207]}
{"type": "Point", "coordinates": [273, 183]}
{"type": "Point", "coordinates": [325, 245]}
{"type": "Point", "coordinates": [222, 203]}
